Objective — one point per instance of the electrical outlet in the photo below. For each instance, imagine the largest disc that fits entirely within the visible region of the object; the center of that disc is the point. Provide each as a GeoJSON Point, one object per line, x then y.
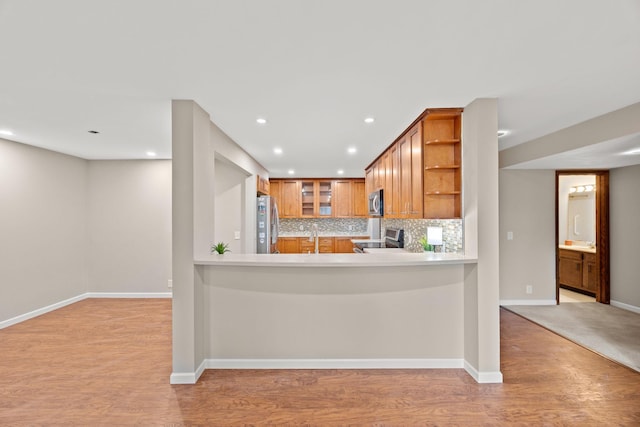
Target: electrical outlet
{"type": "Point", "coordinates": [236, 235]}
{"type": "Point", "coordinates": [509, 235]}
{"type": "Point", "coordinates": [302, 228]}
{"type": "Point", "coordinates": [170, 283]}
{"type": "Point", "coordinates": [529, 289]}
{"type": "Point", "coordinates": [351, 228]}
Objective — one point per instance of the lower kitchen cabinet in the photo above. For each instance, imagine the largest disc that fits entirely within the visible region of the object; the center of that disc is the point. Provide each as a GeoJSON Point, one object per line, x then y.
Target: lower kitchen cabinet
{"type": "Point", "coordinates": [326, 245]}
{"type": "Point", "coordinates": [288, 245]}
{"type": "Point", "coordinates": [578, 270]}
{"type": "Point", "coordinates": [343, 245]}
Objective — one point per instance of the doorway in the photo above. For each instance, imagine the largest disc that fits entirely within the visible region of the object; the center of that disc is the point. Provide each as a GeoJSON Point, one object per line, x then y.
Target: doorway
{"type": "Point", "coordinates": [583, 267]}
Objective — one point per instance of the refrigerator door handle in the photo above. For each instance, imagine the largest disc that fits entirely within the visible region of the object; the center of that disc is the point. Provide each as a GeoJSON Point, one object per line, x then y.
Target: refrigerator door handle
{"type": "Point", "coordinates": [276, 223]}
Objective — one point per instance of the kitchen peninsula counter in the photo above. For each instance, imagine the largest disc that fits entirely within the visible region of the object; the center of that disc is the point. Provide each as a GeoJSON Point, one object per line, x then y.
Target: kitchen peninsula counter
{"type": "Point", "coordinates": [388, 259]}
{"type": "Point", "coordinates": [317, 311]}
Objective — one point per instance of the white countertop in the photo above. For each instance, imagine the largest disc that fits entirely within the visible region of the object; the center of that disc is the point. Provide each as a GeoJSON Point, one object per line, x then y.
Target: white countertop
{"type": "Point", "coordinates": [367, 240]}
{"type": "Point", "coordinates": [578, 248]}
{"type": "Point", "coordinates": [385, 250]}
{"type": "Point", "coordinates": [384, 258]}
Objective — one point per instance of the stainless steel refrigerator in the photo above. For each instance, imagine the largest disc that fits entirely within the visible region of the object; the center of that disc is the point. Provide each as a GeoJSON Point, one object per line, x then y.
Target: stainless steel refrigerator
{"type": "Point", "coordinates": [268, 225]}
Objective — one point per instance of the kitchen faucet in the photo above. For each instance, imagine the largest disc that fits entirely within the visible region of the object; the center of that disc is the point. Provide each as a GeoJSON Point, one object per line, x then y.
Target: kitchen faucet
{"type": "Point", "coordinates": [314, 236]}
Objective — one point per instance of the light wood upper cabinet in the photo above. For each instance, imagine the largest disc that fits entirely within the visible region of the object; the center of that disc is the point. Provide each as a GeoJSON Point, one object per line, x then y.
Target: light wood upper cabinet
{"type": "Point", "coordinates": [350, 199]}
{"type": "Point", "coordinates": [343, 199]}
{"type": "Point", "coordinates": [274, 191]}
{"type": "Point", "coordinates": [359, 198]}
{"type": "Point", "coordinates": [290, 204]}
{"type": "Point", "coordinates": [421, 170]}
{"type": "Point", "coordinates": [320, 198]}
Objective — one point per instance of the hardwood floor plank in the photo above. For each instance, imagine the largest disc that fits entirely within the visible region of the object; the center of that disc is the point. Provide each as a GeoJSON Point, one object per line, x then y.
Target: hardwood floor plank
{"type": "Point", "coordinates": [108, 361]}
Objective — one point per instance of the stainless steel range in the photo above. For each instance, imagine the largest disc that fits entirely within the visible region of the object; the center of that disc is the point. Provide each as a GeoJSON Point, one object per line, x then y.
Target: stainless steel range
{"type": "Point", "coordinates": [393, 238]}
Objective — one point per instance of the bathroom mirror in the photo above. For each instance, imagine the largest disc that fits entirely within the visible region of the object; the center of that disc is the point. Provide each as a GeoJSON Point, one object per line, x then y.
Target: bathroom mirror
{"type": "Point", "coordinates": [577, 196]}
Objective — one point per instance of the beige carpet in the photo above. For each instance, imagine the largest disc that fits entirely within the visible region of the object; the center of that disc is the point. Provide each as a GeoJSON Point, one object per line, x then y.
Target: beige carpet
{"type": "Point", "coordinates": [610, 331]}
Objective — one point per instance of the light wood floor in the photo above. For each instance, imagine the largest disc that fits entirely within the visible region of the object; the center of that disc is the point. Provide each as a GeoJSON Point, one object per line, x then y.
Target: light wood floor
{"type": "Point", "coordinates": [107, 362]}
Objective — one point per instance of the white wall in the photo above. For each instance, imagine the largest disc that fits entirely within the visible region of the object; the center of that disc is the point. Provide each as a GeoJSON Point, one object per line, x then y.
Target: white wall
{"type": "Point", "coordinates": [69, 226]}
{"type": "Point", "coordinates": [527, 209]}
{"type": "Point", "coordinates": [229, 203]}
{"type": "Point", "coordinates": [129, 223]}
{"type": "Point", "coordinates": [43, 225]}
{"type": "Point", "coordinates": [624, 228]}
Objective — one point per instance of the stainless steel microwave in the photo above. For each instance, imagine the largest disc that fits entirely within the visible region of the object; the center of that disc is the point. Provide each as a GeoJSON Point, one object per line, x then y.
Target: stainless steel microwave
{"type": "Point", "coordinates": [376, 203]}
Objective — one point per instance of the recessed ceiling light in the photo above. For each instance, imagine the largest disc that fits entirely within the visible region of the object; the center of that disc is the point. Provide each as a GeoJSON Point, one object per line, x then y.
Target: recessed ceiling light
{"type": "Point", "coordinates": [351, 150]}
{"type": "Point", "coordinates": [369, 120]}
{"type": "Point", "coordinates": [93, 131]}
{"type": "Point", "coordinates": [291, 171]}
{"type": "Point", "coordinates": [151, 153]}
{"type": "Point", "coordinates": [277, 150]}
{"type": "Point", "coordinates": [261, 120]}
{"type": "Point", "coordinates": [502, 133]}
{"type": "Point", "coordinates": [340, 172]}
{"type": "Point", "coordinates": [632, 152]}
{"type": "Point", "coordinates": [6, 132]}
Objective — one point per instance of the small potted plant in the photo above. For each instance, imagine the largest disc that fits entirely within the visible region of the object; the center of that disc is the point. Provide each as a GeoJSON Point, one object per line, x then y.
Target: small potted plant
{"type": "Point", "coordinates": [425, 244]}
{"type": "Point", "coordinates": [220, 248]}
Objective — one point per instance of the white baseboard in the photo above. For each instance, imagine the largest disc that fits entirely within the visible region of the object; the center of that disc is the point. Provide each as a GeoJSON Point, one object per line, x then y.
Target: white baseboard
{"type": "Point", "coordinates": [527, 302]}
{"type": "Point", "coordinates": [192, 377]}
{"type": "Point", "coordinates": [40, 311]}
{"type": "Point", "coordinates": [129, 294]}
{"type": "Point", "coordinates": [188, 377]}
{"type": "Point", "coordinates": [625, 306]}
{"type": "Point", "coordinates": [483, 377]}
{"type": "Point", "coordinates": [57, 305]}
{"type": "Point", "coordinates": [334, 363]}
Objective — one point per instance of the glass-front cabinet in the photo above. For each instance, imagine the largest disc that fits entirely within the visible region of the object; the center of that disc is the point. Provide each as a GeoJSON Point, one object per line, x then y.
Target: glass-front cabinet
{"type": "Point", "coordinates": [324, 198]}
{"type": "Point", "coordinates": [316, 198]}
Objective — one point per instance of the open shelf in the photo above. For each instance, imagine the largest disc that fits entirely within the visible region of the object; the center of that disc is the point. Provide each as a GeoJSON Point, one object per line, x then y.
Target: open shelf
{"type": "Point", "coordinates": [441, 193]}
{"type": "Point", "coordinates": [442, 167]}
{"type": "Point", "coordinates": [442, 141]}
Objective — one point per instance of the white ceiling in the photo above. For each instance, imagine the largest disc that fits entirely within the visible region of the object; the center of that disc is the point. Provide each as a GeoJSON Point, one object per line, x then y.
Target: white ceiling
{"type": "Point", "coordinates": [313, 69]}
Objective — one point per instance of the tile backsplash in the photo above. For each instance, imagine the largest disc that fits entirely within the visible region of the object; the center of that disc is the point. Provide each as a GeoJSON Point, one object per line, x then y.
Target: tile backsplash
{"type": "Point", "coordinates": [414, 229]}
{"type": "Point", "coordinates": [326, 226]}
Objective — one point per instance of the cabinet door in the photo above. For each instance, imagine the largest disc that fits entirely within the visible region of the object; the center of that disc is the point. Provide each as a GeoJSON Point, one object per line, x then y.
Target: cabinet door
{"type": "Point", "coordinates": [590, 276]}
{"type": "Point", "coordinates": [288, 245]}
{"type": "Point", "coordinates": [274, 191]}
{"type": "Point", "coordinates": [342, 198]}
{"type": "Point", "coordinates": [405, 176]}
{"type": "Point", "coordinates": [415, 200]}
{"type": "Point", "coordinates": [343, 245]}
{"type": "Point", "coordinates": [570, 268]}
{"type": "Point", "coordinates": [368, 179]}
{"type": "Point", "coordinates": [290, 194]}
{"type": "Point", "coordinates": [308, 199]}
{"type": "Point", "coordinates": [324, 195]}
{"type": "Point", "coordinates": [359, 198]}
{"type": "Point", "coordinates": [395, 189]}
{"type": "Point", "coordinates": [387, 161]}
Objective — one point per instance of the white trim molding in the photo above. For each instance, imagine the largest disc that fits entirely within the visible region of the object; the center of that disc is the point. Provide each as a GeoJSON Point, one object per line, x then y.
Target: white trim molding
{"type": "Point", "coordinates": [483, 377]}
{"type": "Point", "coordinates": [40, 311]}
{"type": "Point", "coordinates": [188, 377]}
{"type": "Point", "coordinates": [192, 377]}
{"type": "Point", "coordinates": [78, 298]}
{"type": "Point", "coordinates": [128, 295]}
{"type": "Point", "coordinates": [625, 306]}
{"type": "Point", "coordinates": [334, 363]}
{"type": "Point", "coordinates": [504, 302]}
